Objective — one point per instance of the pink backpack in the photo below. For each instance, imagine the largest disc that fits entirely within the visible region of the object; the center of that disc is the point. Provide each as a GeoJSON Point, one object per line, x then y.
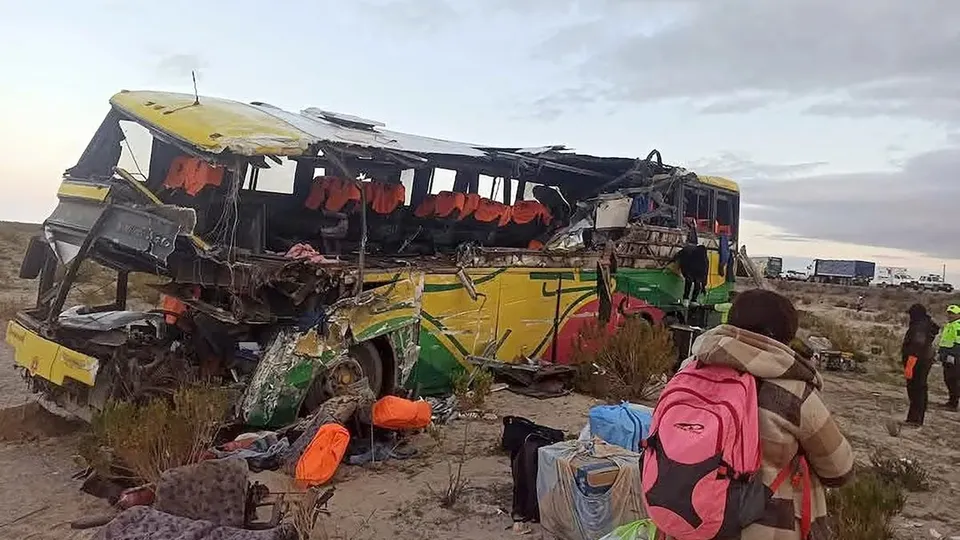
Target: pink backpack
{"type": "Point", "coordinates": [701, 459]}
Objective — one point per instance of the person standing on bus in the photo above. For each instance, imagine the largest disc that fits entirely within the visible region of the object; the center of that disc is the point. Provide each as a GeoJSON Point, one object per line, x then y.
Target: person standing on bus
{"type": "Point", "coordinates": [917, 356]}
{"type": "Point", "coordinates": [949, 354]}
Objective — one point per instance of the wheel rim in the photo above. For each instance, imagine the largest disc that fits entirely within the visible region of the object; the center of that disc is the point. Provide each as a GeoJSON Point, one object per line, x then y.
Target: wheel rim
{"type": "Point", "coordinates": [368, 357]}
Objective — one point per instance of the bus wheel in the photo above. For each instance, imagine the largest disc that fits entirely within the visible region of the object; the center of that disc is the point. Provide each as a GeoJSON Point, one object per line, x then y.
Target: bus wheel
{"type": "Point", "coordinates": [367, 355]}
{"type": "Point", "coordinates": [363, 360]}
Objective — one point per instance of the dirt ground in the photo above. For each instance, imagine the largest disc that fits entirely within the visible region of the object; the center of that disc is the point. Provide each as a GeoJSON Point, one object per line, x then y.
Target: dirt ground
{"type": "Point", "coordinates": [397, 499]}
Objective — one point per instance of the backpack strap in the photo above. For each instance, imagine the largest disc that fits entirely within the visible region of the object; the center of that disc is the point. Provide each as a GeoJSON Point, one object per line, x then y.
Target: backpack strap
{"type": "Point", "coordinates": [802, 481]}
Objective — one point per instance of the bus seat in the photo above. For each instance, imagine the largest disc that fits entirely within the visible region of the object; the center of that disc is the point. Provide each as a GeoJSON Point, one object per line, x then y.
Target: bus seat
{"type": "Point", "coordinates": [528, 220]}
{"type": "Point", "coordinates": [386, 214]}
{"type": "Point", "coordinates": [445, 205]}
{"type": "Point", "coordinates": [438, 215]}
{"type": "Point", "coordinates": [333, 194]}
{"type": "Point", "coordinates": [384, 198]}
{"type": "Point", "coordinates": [490, 211]}
{"type": "Point", "coordinates": [470, 205]}
{"type": "Point", "coordinates": [481, 218]}
{"type": "Point", "coordinates": [317, 195]}
{"type": "Point", "coordinates": [192, 175]}
{"type": "Point", "coordinates": [525, 212]}
{"type": "Point", "coordinates": [342, 195]}
{"type": "Point", "coordinates": [449, 204]}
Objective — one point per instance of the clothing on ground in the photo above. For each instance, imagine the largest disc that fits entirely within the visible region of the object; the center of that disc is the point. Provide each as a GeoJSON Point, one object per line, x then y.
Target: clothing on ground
{"type": "Point", "coordinates": [213, 490]}
{"type": "Point", "coordinates": [263, 451]}
{"type": "Point", "coordinates": [145, 523]}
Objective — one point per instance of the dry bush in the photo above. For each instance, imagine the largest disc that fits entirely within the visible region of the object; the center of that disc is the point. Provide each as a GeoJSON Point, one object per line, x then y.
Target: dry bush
{"type": "Point", "coordinates": [907, 473]}
{"type": "Point", "coordinates": [624, 365]}
{"type": "Point", "coordinates": [889, 340]}
{"type": "Point", "coordinates": [472, 388]}
{"type": "Point", "coordinates": [456, 483]}
{"type": "Point", "coordinates": [863, 509]}
{"type": "Point", "coordinates": [149, 438]}
{"type": "Point", "coordinates": [307, 515]}
{"type": "Point", "coordinates": [839, 335]}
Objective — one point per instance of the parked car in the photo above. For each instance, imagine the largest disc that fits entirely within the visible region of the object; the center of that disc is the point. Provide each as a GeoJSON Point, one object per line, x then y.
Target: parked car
{"type": "Point", "coordinates": [934, 283]}
{"type": "Point", "coordinates": [795, 275]}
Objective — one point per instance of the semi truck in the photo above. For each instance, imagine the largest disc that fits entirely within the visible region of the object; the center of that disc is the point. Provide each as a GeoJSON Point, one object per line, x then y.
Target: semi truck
{"type": "Point", "coordinates": [843, 272]}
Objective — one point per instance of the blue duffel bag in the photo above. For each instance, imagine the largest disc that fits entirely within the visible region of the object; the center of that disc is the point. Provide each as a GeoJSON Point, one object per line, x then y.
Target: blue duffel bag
{"type": "Point", "coordinates": [624, 425]}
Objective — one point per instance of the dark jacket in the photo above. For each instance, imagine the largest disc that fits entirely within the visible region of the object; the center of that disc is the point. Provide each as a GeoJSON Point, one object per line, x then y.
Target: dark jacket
{"type": "Point", "coordinates": [918, 341]}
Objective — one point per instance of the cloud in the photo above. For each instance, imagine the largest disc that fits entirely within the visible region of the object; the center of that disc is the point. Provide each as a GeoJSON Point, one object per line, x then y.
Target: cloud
{"type": "Point", "coordinates": [180, 66]}
{"type": "Point", "coordinates": [911, 208]}
{"type": "Point", "coordinates": [854, 58]}
{"type": "Point", "coordinates": [746, 170]}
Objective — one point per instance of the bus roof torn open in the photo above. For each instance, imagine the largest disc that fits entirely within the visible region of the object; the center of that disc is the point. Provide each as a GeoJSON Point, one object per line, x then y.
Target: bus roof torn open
{"type": "Point", "coordinates": [362, 265]}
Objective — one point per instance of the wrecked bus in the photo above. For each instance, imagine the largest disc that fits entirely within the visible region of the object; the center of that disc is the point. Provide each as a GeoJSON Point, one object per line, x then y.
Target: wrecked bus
{"type": "Point", "coordinates": [361, 268]}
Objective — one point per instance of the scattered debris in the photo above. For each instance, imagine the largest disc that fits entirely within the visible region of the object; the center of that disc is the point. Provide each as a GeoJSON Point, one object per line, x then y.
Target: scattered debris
{"type": "Point", "coordinates": [541, 381]}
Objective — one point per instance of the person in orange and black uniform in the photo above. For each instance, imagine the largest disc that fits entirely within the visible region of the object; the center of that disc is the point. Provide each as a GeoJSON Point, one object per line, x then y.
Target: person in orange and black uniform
{"type": "Point", "coordinates": [917, 355]}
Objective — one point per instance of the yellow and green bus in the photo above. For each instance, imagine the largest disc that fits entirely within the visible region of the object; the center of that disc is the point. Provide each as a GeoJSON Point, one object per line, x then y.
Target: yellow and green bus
{"type": "Point", "coordinates": [299, 253]}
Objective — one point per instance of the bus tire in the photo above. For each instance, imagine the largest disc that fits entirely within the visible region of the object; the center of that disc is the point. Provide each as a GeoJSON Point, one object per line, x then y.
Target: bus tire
{"type": "Point", "coordinates": [368, 356]}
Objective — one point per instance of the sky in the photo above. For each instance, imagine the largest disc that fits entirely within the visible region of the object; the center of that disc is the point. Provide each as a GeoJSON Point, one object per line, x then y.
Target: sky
{"type": "Point", "coordinates": [840, 120]}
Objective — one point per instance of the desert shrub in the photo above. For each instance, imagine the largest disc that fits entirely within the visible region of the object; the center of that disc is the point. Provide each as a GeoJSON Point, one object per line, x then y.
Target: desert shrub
{"type": "Point", "coordinates": [625, 364]}
{"type": "Point", "coordinates": [148, 438]}
{"type": "Point", "coordinates": [472, 388]}
{"type": "Point", "coordinates": [863, 509]}
{"type": "Point", "coordinates": [906, 473]}
{"type": "Point", "coordinates": [839, 335]}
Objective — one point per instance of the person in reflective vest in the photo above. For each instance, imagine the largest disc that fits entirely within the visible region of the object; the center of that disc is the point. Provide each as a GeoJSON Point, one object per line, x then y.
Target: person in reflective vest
{"type": "Point", "coordinates": [949, 354]}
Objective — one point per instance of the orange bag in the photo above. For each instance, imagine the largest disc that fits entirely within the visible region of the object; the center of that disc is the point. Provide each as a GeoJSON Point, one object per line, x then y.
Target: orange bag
{"type": "Point", "coordinates": [323, 455]}
{"type": "Point", "coordinates": [908, 368]}
{"type": "Point", "coordinates": [392, 412]}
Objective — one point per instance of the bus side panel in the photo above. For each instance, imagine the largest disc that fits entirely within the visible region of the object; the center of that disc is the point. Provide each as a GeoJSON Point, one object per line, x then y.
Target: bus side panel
{"type": "Point", "coordinates": [718, 287]}
{"type": "Point", "coordinates": [453, 326]}
{"type": "Point", "coordinates": [528, 309]}
{"type": "Point", "coordinates": [636, 293]}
